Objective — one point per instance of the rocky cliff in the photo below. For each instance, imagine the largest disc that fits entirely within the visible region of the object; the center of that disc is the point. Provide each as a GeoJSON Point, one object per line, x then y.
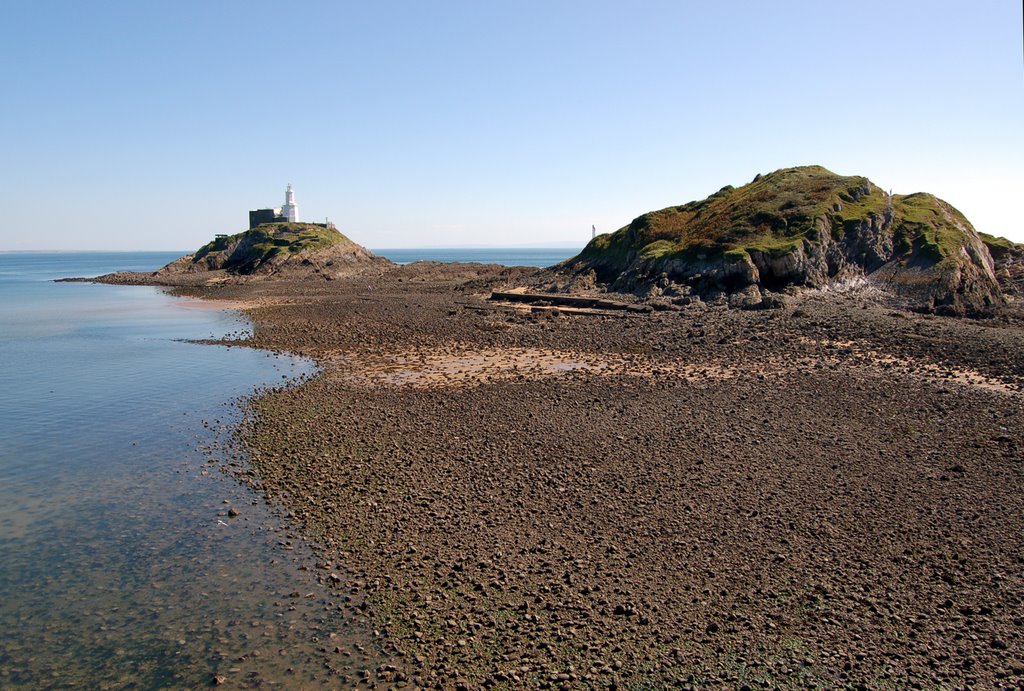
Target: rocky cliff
{"type": "Point", "coordinates": [1008, 261]}
{"type": "Point", "coordinates": [801, 227]}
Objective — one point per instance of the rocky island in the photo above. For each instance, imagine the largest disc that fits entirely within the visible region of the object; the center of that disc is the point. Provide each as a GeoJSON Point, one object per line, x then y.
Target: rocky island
{"type": "Point", "coordinates": [802, 227]}
{"type": "Point", "coordinates": [519, 493]}
{"type": "Point", "coordinates": [277, 250]}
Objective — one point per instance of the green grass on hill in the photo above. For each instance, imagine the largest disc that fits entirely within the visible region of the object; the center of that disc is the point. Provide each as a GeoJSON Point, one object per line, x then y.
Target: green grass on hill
{"type": "Point", "coordinates": [775, 213]}
{"type": "Point", "coordinates": [270, 239]}
{"type": "Point", "coordinates": [1001, 247]}
{"type": "Point", "coordinates": [930, 225]}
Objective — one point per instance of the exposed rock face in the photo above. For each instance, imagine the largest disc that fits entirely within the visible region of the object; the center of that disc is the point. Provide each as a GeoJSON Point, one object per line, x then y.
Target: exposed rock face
{"type": "Point", "coordinates": [801, 227]}
{"type": "Point", "coordinates": [1008, 260]}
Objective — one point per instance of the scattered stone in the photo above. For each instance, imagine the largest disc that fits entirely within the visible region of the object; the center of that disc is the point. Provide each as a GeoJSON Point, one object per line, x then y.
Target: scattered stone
{"type": "Point", "coordinates": [692, 489]}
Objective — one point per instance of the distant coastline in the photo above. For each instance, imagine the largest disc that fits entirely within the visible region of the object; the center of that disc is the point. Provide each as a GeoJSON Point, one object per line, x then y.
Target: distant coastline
{"type": "Point", "coordinates": [506, 256]}
{"type": "Point", "coordinates": [111, 252]}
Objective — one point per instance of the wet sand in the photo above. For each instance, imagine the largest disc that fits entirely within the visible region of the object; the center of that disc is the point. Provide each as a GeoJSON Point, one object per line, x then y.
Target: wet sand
{"type": "Point", "coordinates": [829, 494]}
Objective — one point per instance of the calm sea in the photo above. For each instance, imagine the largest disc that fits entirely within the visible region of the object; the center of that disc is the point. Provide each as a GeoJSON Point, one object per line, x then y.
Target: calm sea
{"type": "Point", "coordinates": [509, 257]}
{"type": "Point", "coordinates": [119, 564]}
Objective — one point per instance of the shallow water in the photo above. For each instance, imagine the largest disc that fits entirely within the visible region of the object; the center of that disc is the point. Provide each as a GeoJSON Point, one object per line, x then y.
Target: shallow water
{"type": "Point", "coordinates": [119, 563]}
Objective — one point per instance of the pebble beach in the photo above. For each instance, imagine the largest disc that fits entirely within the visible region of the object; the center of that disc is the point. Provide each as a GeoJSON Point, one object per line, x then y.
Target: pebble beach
{"type": "Point", "coordinates": [826, 494]}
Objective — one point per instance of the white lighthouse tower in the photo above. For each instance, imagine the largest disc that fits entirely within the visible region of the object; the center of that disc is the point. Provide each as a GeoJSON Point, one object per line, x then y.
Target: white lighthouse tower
{"type": "Point", "coordinates": [290, 210]}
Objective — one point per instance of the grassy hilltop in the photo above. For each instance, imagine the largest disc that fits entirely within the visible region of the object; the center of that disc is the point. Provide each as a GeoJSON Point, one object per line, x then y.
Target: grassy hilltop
{"type": "Point", "coordinates": [246, 251]}
{"type": "Point", "coordinates": [802, 226]}
{"type": "Point", "coordinates": [273, 248]}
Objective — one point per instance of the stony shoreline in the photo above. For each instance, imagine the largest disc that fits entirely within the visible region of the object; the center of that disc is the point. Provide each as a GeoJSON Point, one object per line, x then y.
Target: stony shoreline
{"type": "Point", "coordinates": [828, 494]}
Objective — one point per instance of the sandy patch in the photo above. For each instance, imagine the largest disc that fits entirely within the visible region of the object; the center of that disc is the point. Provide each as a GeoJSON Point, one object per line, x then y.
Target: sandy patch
{"type": "Point", "coordinates": [462, 366]}
{"type": "Point", "coordinates": [213, 303]}
{"type": "Point", "coordinates": [847, 351]}
{"type": "Point", "coordinates": [458, 367]}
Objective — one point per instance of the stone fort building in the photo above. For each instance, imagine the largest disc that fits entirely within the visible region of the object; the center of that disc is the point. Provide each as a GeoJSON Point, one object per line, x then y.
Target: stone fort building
{"type": "Point", "coordinates": [289, 212]}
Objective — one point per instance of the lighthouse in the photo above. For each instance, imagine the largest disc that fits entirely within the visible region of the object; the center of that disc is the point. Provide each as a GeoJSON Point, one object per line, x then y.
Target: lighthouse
{"type": "Point", "coordinates": [289, 213]}
{"type": "Point", "coordinates": [290, 210]}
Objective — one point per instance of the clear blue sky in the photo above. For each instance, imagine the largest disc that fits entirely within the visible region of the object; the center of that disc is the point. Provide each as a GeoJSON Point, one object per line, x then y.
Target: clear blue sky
{"type": "Point", "coordinates": [154, 125]}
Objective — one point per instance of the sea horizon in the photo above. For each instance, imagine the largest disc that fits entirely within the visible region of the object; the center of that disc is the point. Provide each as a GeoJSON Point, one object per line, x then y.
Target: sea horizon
{"type": "Point", "coordinates": [432, 248]}
{"type": "Point", "coordinates": [538, 257]}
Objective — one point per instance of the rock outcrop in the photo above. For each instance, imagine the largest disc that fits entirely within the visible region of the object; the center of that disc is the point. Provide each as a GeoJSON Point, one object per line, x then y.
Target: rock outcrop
{"type": "Point", "coordinates": [276, 248]}
{"type": "Point", "coordinates": [272, 250]}
{"type": "Point", "coordinates": [1008, 260]}
{"type": "Point", "coordinates": [800, 227]}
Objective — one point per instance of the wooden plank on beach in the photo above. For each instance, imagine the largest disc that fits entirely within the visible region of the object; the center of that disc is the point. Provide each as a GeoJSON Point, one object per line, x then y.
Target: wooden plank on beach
{"type": "Point", "coordinates": [567, 301]}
